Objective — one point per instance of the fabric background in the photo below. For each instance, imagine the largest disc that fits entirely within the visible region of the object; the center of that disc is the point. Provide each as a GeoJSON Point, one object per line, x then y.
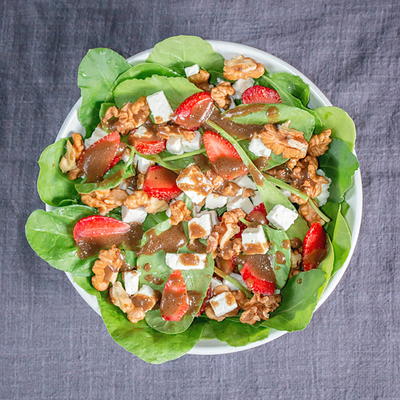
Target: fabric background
{"type": "Point", "coordinates": [53, 346]}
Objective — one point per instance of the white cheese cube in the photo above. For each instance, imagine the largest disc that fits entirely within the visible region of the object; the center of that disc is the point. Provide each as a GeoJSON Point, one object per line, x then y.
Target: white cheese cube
{"type": "Point", "coordinates": [131, 281]}
{"type": "Point", "coordinates": [133, 215]}
{"type": "Point", "coordinates": [223, 303]}
{"type": "Point", "coordinates": [258, 148]}
{"type": "Point", "coordinates": [254, 240]}
{"type": "Point", "coordinates": [159, 107]}
{"type": "Point", "coordinates": [230, 285]}
{"type": "Point", "coordinates": [141, 132]}
{"type": "Point", "coordinates": [192, 70]}
{"type": "Point", "coordinates": [200, 225]}
{"type": "Point", "coordinates": [256, 199]}
{"type": "Point", "coordinates": [324, 195]}
{"type": "Point", "coordinates": [214, 200]}
{"type": "Point", "coordinates": [185, 261]}
{"type": "Point", "coordinates": [97, 134]}
{"type": "Point", "coordinates": [215, 282]}
{"type": "Point", "coordinates": [192, 145]}
{"type": "Point", "coordinates": [194, 183]}
{"type": "Point", "coordinates": [245, 182]}
{"type": "Point", "coordinates": [213, 215]}
{"type": "Point", "coordinates": [147, 291]}
{"type": "Point", "coordinates": [174, 145]}
{"type": "Point", "coordinates": [241, 85]}
{"type": "Point", "coordinates": [240, 202]}
{"type": "Point", "coordinates": [282, 217]}
{"type": "Point", "coordinates": [142, 164]}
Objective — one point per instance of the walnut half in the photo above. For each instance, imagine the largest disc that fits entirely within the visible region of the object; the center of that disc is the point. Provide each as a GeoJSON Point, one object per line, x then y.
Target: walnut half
{"type": "Point", "coordinates": [68, 163]}
{"type": "Point", "coordinates": [106, 268]}
{"type": "Point", "coordinates": [220, 94]}
{"type": "Point", "coordinates": [242, 68]}
{"type": "Point", "coordinates": [104, 200]}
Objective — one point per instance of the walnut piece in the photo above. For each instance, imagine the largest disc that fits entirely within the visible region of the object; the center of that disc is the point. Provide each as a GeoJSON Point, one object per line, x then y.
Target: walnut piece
{"type": "Point", "coordinates": [242, 68]}
{"type": "Point", "coordinates": [283, 140]}
{"type": "Point", "coordinates": [104, 200]}
{"type": "Point", "coordinates": [229, 189]}
{"type": "Point", "coordinates": [167, 130]}
{"type": "Point", "coordinates": [106, 268]}
{"type": "Point", "coordinates": [179, 212]}
{"type": "Point", "coordinates": [220, 94]}
{"type": "Point", "coordinates": [308, 213]}
{"type": "Point", "coordinates": [216, 180]}
{"type": "Point", "coordinates": [140, 198]}
{"type": "Point", "coordinates": [295, 263]}
{"type": "Point", "coordinates": [129, 117]}
{"type": "Point", "coordinates": [68, 163]}
{"type": "Point", "coordinates": [200, 79]}
{"type": "Point", "coordinates": [259, 307]}
{"type": "Point", "coordinates": [319, 144]}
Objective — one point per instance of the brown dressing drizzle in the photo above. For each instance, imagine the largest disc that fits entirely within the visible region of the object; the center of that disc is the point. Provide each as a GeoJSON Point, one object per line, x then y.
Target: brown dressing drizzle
{"type": "Point", "coordinates": [142, 301]}
{"type": "Point", "coordinates": [197, 247]}
{"type": "Point", "coordinates": [196, 230]}
{"type": "Point", "coordinates": [261, 162]}
{"type": "Point", "coordinates": [280, 257]}
{"type": "Point", "coordinates": [261, 264]}
{"type": "Point", "coordinates": [189, 259]}
{"type": "Point", "coordinates": [228, 166]}
{"type": "Point", "coordinates": [153, 279]}
{"type": "Point", "coordinates": [194, 300]}
{"type": "Point", "coordinates": [315, 257]}
{"type": "Point", "coordinates": [286, 244]}
{"type": "Point", "coordinates": [258, 217]}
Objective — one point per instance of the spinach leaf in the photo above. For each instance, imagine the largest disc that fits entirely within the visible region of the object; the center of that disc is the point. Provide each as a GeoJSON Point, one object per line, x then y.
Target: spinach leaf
{"type": "Point", "coordinates": [292, 84]}
{"type": "Point", "coordinates": [326, 265]}
{"type": "Point", "coordinates": [154, 219]}
{"type": "Point", "coordinates": [178, 52]}
{"type": "Point", "coordinates": [103, 109]}
{"type": "Point", "coordinates": [339, 122]}
{"type": "Point", "coordinates": [339, 164]}
{"type": "Point", "coordinates": [96, 75]}
{"type": "Point", "coordinates": [299, 298]}
{"type": "Point", "coordinates": [176, 89]}
{"type": "Point", "coordinates": [50, 236]}
{"type": "Point", "coordinates": [85, 282]}
{"type": "Point", "coordinates": [53, 186]}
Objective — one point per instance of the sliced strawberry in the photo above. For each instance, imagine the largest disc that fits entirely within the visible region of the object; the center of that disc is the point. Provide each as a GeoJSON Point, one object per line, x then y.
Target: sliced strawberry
{"type": "Point", "coordinates": [258, 214]}
{"type": "Point", "coordinates": [194, 110]}
{"type": "Point", "coordinates": [242, 227]}
{"type": "Point", "coordinates": [149, 146]}
{"type": "Point", "coordinates": [114, 162]}
{"type": "Point", "coordinates": [174, 300]}
{"type": "Point", "coordinates": [260, 94]}
{"type": "Point", "coordinates": [160, 182]}
{"type": "Point", "coordinates": [314, 247]}
{"type": "Point", "coordinates": [255, 284]}
{"type": "Point", "coordinates": [223, 156]}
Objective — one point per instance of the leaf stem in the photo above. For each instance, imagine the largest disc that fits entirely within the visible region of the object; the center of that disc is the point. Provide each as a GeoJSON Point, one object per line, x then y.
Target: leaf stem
{"type": "Point", "coordinates": [283, 185]}
{"type": "Point", "coordinates": [184, 155]}
{"type": "Point", "coordinates": [234, 282]}
{"type": "Point", "coordinates": [318, 211]}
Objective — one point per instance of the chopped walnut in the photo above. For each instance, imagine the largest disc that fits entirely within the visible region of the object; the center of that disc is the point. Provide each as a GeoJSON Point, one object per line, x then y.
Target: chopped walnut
{"type": "Point", "coordinates": [156, 205]}
{"type": "Point", "coordinates": [140, 198]}
{"type": "Point", "coordinates": [308, 213]}
{"type": "Point", "coordinates": [229, 189]}
{"type": "Point", "coordinates": [140, 181]}
{"type": "Point", "coordinates": [167, 130]}
{"type": "Point", "coordinates": [200, 79]}
{"type": "Point", "coordinates": [242, 68]}
{"type": "Point", "coordinates": [233, 217]}
{"type": "Point", "coordinates": [179, 212]}
{"type": "Point", "coordinates": [104, 200]}
{"type": "Point", "coordinates": [319, 144]}
{"type": "Point", "coordinates": [259, 307]}
{"type": "Point", "coordinates": [231, 249]}
{"type": "Point", "coordinates": [129, 117]}
{"type": "Point", "coordinates": [192, 178]}
{"type": "Point", "coordinates": [68, 163]}
{"type": "Point", "coordinates": [106, 268]}
{"type": "Point", "coordinates": [283, 140]}
{"type": "Point", "coordinates": [295, 263]}
{"type": "Point", "coordinates": [216, 180]}
{"type": "Point", "coordinates": [247, 192]}
{"type": "Point", "coordinates": [220, 94]}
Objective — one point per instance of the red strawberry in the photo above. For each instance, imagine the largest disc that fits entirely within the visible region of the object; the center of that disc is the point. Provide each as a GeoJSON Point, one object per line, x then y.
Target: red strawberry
{"type": "Point", "coordinates": [314, 247]}
{"type": "Point", "coordinates": [258, 214]}
{"type": "Point", "coordinates": [260, 94]}
{"type": "Point", "coordinates": [160, 182]}
{"type": "Point", "coordinates": [194, 110]}
{"type": "Point", "coordinates": [242, 227]}
{"type": "Point", "coordinates": [174, 300]}
{"type": "Point", "coordinates": [204, 304]}
{"type": "Point", "coordinates": [223, 156]}
{"type": "Point", "coordinates": [254, 283]}
{"type": "Point", "coordinates": [114, 162]}
{"type": "Point", "coordinates": [149, 146]}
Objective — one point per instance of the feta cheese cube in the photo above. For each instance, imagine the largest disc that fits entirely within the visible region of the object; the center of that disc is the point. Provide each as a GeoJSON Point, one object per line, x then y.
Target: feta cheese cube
{"type": "Point", "coordinates": [282, 217]}
{"type": "Point", "coordinates": [214, 200]}
{"type": "Point", "coordinates": [192, 70]}
{"type": "Point", "coordinates": [230, 285]}
{"type": "Point", "coordinates": [223, 303]}
{"type": "Point", "coordinates": [215, 282]}
{"type": "Point", "coordinates": [194, 183]}
{"type": "Point", "coordinates": [256, 199]}
{"type": "Point", "coordinates": [254, 240]}
{"type": "Point", "coordinates": [213, 215]}
{"type": "Point", "coordinates": [258, 148]}
{"type": "Point", "coordinates": [185, 261]}
{"type": "Point", "coordinates": [131, 281]}
{"type": "Point", "coordinates": [133, 215]}
{"type": "Point", "coordinates": [200, 227]}
{"type": "Point", "coordinates": [142, 164]}
{"type": "Point", "coordinates": [159, 107]}
{"type": "Point", "coordinates": [192, 145]}
{"type": "Point", "coordinates": [97, 134]}
{"type": "Point", "coordinates": [245, 182]}
{"type": "Point", "coordinates": [324, 195]}
{"type": "Point", "coordinates": [240, 202]}
{"type": "Point", "coordinates": [147, 291]}
{"type": "Point", "coordinates": [241, 85]}
{"type": "Point", "coordinates": [174, 145]}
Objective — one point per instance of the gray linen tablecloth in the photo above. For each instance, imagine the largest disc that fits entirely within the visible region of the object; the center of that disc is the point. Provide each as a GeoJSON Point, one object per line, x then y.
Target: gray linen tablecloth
{"type": "Point", "coordinates": [53, 346]}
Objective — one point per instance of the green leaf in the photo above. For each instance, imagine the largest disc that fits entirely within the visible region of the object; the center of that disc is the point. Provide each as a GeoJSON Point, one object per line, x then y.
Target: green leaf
{"type": "Point", "coordinates": [339, 164]}
{"type": "Point", "coordinates": [339, 122]}
{"type": "Point", "coordinates": [53, 186]}
{"type": "Point", "coordinates": [103, 109]}
{"type": "Point", "coordinates": [292, 84]}
{"type": "Point", "coordinates": [178, 52]}
{"type": "Point", "coordinates": [96, 75]}
{"type": "Point", "coordinates": [299, 298]}
{"type": "Point", "coordinates": [154, 219]}
{"type": "Point", "coordinates": [85, 282]}
{"type": "Point", "coordinates": [175, 89]}
{"type": "Point", "coordinates": [49, 233]}
{"type": "Point", "coordinates": [326, 265]}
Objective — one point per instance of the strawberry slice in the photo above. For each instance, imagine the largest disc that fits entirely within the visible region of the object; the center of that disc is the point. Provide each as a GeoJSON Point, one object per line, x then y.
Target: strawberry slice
{"type": "Point", "coordinates": [160, 182]}
{"type": "Point", "coordinates": [255, 284]}
{"type": "Point", "coordinates": [149, 146]}
{"type": "Point", "coordinates": [258, 214]}
{"type": "Point", "coordinates": [194, 110]}
{"type": "Point", "coordinates": [174, 300]}
{"type": "Point", "coordinates": [314, 247]}
{"type": "Point", "coordinates": [260, 94]}
{"type": "Point", "coordinates": [223, 156]}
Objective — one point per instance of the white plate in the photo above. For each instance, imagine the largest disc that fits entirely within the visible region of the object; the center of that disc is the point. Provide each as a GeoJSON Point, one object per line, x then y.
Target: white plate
{"type": "Point", "coordinates": [354, 196]}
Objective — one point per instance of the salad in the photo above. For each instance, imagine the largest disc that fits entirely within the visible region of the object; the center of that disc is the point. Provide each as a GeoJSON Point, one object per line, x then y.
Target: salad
{"type": "Point", "coordinates": [202, 198]}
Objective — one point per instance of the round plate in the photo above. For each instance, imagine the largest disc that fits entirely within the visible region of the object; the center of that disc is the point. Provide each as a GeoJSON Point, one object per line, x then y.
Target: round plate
{"type": "Point", "coordinates": [353, 197]}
